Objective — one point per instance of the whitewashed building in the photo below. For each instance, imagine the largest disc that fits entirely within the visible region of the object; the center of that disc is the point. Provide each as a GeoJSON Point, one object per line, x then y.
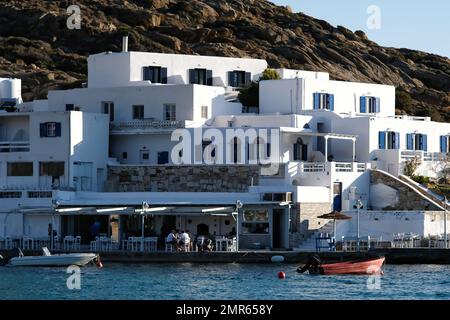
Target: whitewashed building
{"type": "Point", "coordinates": [97, 153]}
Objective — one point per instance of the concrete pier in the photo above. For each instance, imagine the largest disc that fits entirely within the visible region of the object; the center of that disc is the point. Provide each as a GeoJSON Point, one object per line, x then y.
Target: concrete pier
{"type": "Point", "coordinates": [393, 256]}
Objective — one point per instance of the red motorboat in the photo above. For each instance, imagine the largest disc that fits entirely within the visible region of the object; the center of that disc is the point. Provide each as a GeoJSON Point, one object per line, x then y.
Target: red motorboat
{"type": "Point", "coordinates": [362, 266]}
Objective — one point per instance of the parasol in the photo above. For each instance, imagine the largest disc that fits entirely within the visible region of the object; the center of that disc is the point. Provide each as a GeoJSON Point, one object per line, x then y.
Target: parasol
{"type": "Point", "coordinates": [334, 215]}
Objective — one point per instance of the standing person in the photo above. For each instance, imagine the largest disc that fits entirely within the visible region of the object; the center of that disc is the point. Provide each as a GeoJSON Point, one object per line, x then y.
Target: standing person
{"type": "Point", "coordinates": [95, 229]}
{"type": "Point", "coordinates": [185, 240]}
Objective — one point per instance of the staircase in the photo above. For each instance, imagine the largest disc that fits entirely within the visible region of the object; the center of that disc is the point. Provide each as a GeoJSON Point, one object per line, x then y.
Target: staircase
{"type": "Point", "coordinates": [425, 191]}
{"type": "Point", "coordinates": [309, 244]}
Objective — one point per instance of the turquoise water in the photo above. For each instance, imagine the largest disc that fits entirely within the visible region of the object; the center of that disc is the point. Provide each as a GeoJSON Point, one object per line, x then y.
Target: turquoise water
{"type": "Point", "coordinates": [221, 281]}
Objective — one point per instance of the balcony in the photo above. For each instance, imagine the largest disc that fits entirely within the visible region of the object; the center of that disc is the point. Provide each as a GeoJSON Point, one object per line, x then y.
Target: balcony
{"type": "Point", "coordinates": [14, 146]}
{"type": "Point", "coordinates": [144, 125]}
{"type": "Point", "coordinates": [406, 155]}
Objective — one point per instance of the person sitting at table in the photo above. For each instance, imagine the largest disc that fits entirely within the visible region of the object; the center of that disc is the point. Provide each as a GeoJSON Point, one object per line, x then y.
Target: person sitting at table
{"type": "Point", "coordinates": [172, 239]}
{"type": "Point", "coordinates": [232, 233]}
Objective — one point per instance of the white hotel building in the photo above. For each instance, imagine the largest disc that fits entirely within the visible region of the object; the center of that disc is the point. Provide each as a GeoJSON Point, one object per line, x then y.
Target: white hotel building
{"type": "Point", "coordinates": [98, 152]}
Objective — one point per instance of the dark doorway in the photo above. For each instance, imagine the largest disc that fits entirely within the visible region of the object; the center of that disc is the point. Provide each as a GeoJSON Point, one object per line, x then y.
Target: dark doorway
{"type": "Point", "coordinates": [321, 140]}
{"type": "Point", "coordinates": [202, 229]}
{"type": "Point", "coordinates": [276, 229]}
{"type": "Point", "coordinates": [83, 226]}
{"type": "Point", "coordinates": [337, 196]}
{"type": "Point", "coordinates": [170, 222]}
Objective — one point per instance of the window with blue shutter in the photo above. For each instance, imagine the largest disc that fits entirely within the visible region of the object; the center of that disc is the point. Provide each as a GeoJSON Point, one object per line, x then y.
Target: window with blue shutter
{"type": "Point", "coordinates": [362, 105]}
{"type": "Point", "coordinates": [296, 153]}
{"type": "Point", "coordinates": [58, 129]}
{"type": "Point", "coordinates": [377, 105]}
{"type": "Point", "coordinates": [397, 140]}
{"type": "Point", "coordinates": [409, 141]}
{"type": "Point", "coordinates": [316, 101]}
{"type": "Point", "coordinates": [423, 143]}
{"type": "Point", "coordinates": [50, 129]}
{"type": "Point", "coordinates": [381, 140]}
{"type": "Point", "coordinates": [231, 78]}
{"type": "Point", "coordinates": [209, 77]}
{"type": "Point", "coordinates": [248, 78]}
{"type": "Point", "coordinates": [444, 144]}
{"type": "Point", "coordinates": [191, 76]}
{"type": "Point", "coordinates": [331, 102]}
{"type": "Point", "coordinates": [163, 75]}
{"type": "Point", "coordinates": [43, 130]}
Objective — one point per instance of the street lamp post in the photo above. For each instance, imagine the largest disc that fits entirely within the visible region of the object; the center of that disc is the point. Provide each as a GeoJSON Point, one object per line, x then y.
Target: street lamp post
{"type": "Point", "coordinates": [238, 206]}
{"type": "Point", "coordinates": [144, 207]}
{"type": "Point", "coordinates": [445, 222]}
{"type": "Point", "coordinates": [359, 205]}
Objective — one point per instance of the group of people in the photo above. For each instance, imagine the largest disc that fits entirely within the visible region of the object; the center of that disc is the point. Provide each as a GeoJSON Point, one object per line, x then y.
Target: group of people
{"type": "Point", "coordinates": [182, 241]}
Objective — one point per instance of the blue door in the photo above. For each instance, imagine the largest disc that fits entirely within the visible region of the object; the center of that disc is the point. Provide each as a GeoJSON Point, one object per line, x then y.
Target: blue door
{"type": "Point", "coordinates": [337, 196]}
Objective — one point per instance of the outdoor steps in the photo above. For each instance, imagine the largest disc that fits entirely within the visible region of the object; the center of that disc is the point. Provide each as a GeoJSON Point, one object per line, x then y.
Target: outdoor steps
{"type": "Point", "coordinates": [424, 191]}
{"type": "Point", "coordinates": [309, 245]}
{"type": "Point", "coordinates": [413, 186]}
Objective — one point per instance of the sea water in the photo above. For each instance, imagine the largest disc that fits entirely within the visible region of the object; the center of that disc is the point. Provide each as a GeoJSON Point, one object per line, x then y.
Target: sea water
{"type": "Point", "coordinates": [220, 281]}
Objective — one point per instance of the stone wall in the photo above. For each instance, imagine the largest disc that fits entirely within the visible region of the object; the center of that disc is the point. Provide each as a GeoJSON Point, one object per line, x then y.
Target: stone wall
{"type": "Point", "coordinates": [403, 197]}
{"type": "Point", "coordinates": [307, 214]}
{"type": "Point", "coordinates": [201, 178]}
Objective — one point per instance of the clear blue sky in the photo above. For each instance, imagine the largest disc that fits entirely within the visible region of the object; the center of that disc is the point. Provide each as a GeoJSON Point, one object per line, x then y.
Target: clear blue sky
{"type": "Point", "coordinates": [413, 24]}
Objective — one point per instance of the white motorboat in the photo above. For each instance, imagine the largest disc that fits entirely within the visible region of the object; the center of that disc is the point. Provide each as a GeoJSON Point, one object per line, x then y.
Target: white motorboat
{"type": "Point", "coordinates": [47, 259]}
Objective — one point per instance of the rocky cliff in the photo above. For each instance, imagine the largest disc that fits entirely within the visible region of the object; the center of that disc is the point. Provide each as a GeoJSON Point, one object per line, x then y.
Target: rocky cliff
{"type": "Point", "coordinates": [37, 46]}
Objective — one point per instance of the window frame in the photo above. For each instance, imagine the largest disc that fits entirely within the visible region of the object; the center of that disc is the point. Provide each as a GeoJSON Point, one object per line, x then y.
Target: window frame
{"type": "Point", "coordinates": [138, 111]}
{"type": "Point", "coordinates": [204, 112]}
{"type": "Point", "coordinates": [170, 112]}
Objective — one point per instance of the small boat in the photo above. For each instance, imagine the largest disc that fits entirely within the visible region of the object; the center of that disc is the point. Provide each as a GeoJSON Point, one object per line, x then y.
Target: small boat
{"type": "Point", "coordinates": [362, 266]}
{"type": "Point", "coordinates": [47, 259]}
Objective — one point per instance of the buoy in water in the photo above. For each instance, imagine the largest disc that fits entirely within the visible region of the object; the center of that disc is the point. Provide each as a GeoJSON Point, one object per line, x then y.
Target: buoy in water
{"type": "Point", "coordinates": [281, 275]}
{"type": "Point", "coordinates": [277, 259]}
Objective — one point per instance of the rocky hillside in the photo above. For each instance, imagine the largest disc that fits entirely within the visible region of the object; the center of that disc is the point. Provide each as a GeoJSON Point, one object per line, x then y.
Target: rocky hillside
{"type": "Point", "coordinates": [36, 45]}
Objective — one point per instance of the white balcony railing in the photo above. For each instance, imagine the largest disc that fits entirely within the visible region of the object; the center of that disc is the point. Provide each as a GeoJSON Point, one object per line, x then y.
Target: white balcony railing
{"type": "Point", "coordinates": [406, 155]}
{"type": "Point", "coordinates": [14, 146]}
{"type": "Point", "coordinates": [145, 124]}
{"type": "Point", "coordinates": [295, 168]}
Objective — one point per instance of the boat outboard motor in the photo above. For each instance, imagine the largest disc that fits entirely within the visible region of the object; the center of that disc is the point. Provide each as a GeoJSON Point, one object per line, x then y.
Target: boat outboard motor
{"type": "Point", "coordinates": [16, 252]}
{"type": "Point", "coordinates": [312, 265]}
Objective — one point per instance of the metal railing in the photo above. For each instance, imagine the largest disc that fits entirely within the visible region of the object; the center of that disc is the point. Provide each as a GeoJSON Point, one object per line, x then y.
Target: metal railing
{"type": "Point", "coordinates": [406, 155]}
{"type": "Point", "coordinates": [14, 146]}
{"type": "Point", "coordinates": [144, 124]}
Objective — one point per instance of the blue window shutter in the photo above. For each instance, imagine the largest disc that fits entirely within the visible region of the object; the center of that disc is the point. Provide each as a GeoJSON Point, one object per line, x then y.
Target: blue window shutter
{"type": "Point", "coordinates": [316, 102]}
{"type": "Point", "coordinates": [424, 142]}
{"type": "Point", "coordinates": [409, 141]}
{"type": "Point", "coordinates": [58, 129]}
{"type": "Point", "coordinates": [147, 74]}
{"type": "Point", "coordinates": [268, 150]}
{"type": "Point", "coordinates": [231, 79]}
{"type": "Point", "coordinates": [248, 78]}
{"type": "Point", "coordinates": [397, 140]}
{"type": "Point", "coordinates": [444, 144]}
{"type": "Point", "coordinates": [381, 140]}
{"type": "Point", "coordinates": [295, 157]}
{"type": "Point", "coordinates": [331, 101]}
{"type": "Point", "coordinates": [209, 78]}
{"type": "Point", "coordinates": [163, 75]}
{"type": "Point", "coordinates": [377, 105]}
{"type": "Point", "coordinates": [362, 105]}
{"type": "Point", "coordinates": [191, 76]}
{"type": "Point", "coordinates": [43, 130]}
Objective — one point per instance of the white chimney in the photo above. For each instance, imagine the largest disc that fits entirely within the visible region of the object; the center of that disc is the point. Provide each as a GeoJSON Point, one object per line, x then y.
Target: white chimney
{"type": "Point", "coordinates": [125, 44]}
